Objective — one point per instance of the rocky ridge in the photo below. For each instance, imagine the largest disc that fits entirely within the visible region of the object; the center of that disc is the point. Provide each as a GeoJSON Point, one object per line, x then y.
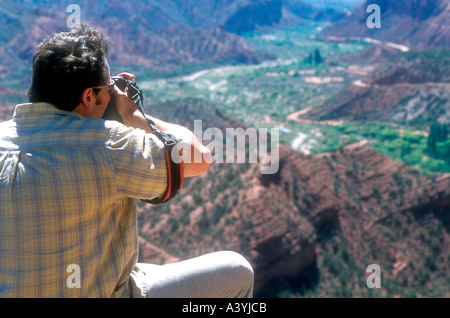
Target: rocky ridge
{"type": "Point", "coordinates": [417, 24]}
{"type": "Point", "coordinates": [407, 87]}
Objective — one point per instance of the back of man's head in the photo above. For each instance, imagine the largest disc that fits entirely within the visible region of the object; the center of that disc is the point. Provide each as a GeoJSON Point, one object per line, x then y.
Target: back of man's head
{"type": "Point", "coordinates": [66, 64]}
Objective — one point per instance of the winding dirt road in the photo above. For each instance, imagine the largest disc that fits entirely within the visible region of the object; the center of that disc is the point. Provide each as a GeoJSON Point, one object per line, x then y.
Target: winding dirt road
{"type": "Point", "coordinates": [295, 117]}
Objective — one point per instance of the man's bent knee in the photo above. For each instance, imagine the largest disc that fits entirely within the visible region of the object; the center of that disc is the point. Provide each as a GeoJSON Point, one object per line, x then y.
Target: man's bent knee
{"type": "Point", "coordinates": [241, 273]}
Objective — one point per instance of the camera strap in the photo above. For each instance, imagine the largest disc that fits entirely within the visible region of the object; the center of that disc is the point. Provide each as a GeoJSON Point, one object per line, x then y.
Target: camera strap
{"type": "Point", "coordinates": [175, 169]}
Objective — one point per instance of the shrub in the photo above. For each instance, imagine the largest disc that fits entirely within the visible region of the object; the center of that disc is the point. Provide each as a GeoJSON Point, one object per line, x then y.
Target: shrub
{"type": "Point", "coordinates": [388, 134]}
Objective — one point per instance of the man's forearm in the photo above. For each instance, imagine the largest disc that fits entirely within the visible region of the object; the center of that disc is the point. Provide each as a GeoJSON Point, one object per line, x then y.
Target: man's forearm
{"type": "Point", "coordinates": [198, 157]}
{"type": "Point", "coordinates": [137, 120]}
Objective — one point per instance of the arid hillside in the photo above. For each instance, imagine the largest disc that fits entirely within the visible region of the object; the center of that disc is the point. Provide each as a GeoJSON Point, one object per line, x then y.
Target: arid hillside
{"type": "Point", "coordinates": [408, 87]}
{"type": "Point", "coordinates": [418, 24]}
{"type": "Point", "coordinates": [318, 221]}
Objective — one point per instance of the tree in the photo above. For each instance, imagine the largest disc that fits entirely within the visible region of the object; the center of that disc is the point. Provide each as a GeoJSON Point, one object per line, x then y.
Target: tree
{"type": "Point", "coordinates": [317, 57]}
{"type": "Point", "coordinates": [442, 133]}
{"type": "Point", "coordinates": [431, 142]}
{"type": "Point", "coordinates": [438, 134]}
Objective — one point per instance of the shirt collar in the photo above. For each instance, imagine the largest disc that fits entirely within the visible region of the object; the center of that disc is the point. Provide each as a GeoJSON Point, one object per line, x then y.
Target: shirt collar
{"type": "Point", "coordinates": [42, 109]}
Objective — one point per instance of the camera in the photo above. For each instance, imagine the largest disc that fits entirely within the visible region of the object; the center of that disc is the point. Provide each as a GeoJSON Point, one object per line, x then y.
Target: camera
{"type": "Point", "coordinates": [134, 92]}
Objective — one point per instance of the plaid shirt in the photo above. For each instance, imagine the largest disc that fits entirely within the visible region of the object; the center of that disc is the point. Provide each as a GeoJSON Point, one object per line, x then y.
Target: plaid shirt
{"type": "Point", "coordinates": [68, 190]}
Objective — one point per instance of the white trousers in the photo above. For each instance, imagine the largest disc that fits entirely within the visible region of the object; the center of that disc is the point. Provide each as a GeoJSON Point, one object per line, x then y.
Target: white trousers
{"type": "Point", "coordinates": [222, 274]}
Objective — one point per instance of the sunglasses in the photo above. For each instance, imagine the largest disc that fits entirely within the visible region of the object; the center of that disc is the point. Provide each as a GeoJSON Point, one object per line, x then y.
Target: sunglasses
{"type": "Point", "coordinates": [109, 86]}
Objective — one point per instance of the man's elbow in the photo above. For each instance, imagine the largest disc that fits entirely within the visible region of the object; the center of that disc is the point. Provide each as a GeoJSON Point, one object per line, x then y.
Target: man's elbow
{"type": "Point", "coordinates": [206, 160]}
{"type": "Point", "coordinates": [196, 168]}
{"type": "Point", "coordinates": [203, 167]}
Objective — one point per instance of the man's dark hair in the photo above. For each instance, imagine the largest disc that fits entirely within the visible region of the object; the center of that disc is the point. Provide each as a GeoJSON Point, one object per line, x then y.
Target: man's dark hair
{"type": "Point", "coordinates": [66, 64]}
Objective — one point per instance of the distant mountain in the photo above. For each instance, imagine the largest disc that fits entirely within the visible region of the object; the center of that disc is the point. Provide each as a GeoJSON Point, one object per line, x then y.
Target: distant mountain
{"type": "Point", "coordinates": [335, 3]}
{"type": "Point", "coordinates": [251, 15]}
{"type": "Point", "coordinates": [374, 54]}
{"type": "Point", "coordinates": [133, 40]}
{"type": "Point", "coordinates": [419, 24]}
{"type": "Point", "coordinates": [314, 11]}
{"type": "Point", "coordinates": [409, 87]}
{"type": "Point", "coordinates": [158, 35]}
{"type": "Point", "coordinates": [318, 222]}
{"type": "Point", "coordinates": [255, 13]}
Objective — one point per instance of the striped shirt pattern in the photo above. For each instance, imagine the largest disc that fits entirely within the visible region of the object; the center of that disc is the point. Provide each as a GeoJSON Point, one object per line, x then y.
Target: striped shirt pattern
{"type": "Point", "coordinates": [68, 190]}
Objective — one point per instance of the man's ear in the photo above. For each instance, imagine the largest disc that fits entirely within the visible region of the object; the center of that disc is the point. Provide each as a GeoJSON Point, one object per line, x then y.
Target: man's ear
{"type": "Point", "coordinates": [86, 106]}
{"type": "Point", "coordinates": [88, 98]}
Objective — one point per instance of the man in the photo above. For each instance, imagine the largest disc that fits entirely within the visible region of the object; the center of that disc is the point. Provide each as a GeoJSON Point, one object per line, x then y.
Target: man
{"type": "Point", "coordinates": [69, 181]}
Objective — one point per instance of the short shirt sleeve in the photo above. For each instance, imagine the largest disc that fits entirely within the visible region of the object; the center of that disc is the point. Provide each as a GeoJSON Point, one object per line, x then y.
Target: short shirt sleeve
{"type": "Point", "coordinates": [139, 163]}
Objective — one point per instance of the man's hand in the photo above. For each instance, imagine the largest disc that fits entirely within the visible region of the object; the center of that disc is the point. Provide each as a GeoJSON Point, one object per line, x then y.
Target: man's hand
{"type": "Point", "coordinates": [128, 110]}
{"type": "Point", "coordinates": [128, 76]}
